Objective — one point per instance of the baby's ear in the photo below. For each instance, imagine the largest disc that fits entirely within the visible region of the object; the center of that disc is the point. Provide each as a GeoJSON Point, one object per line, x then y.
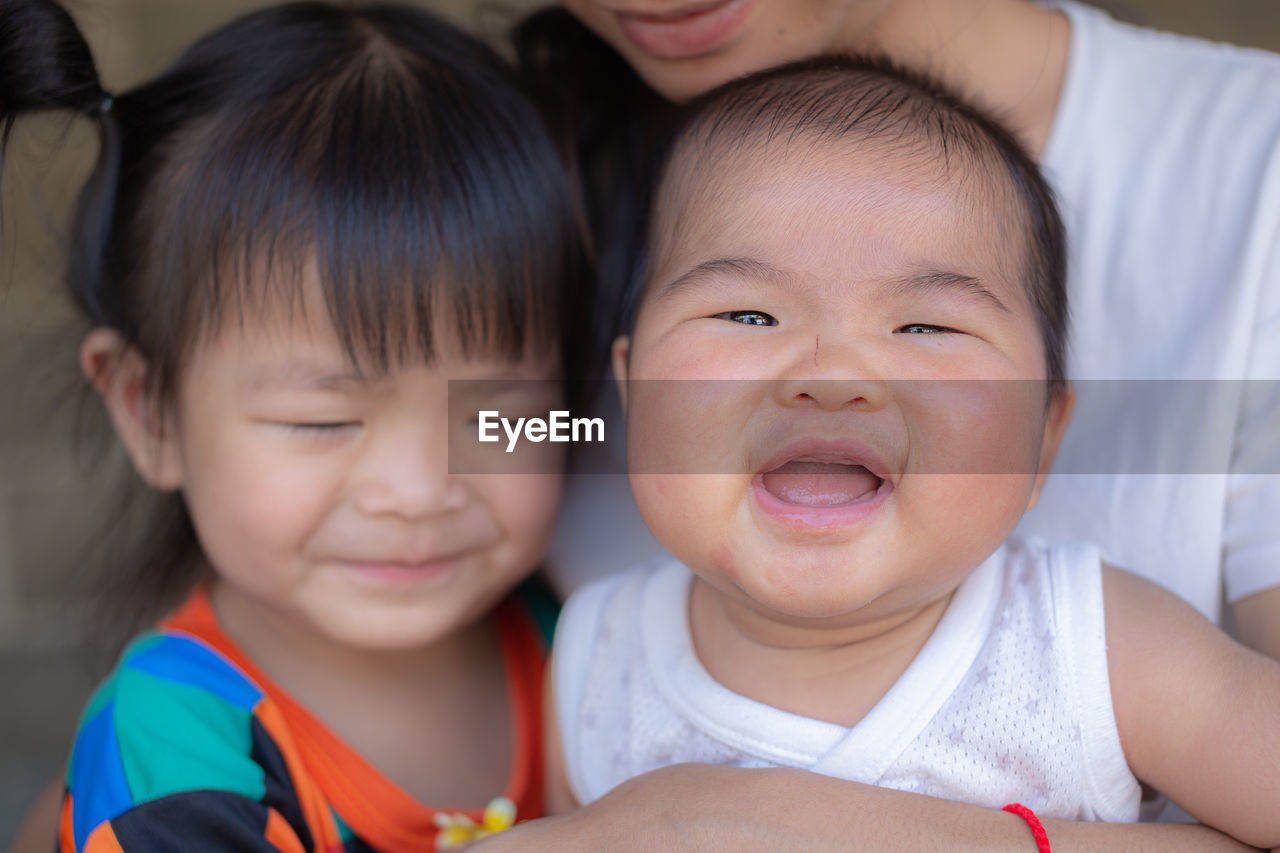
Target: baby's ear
{"type": "Point", "coordinates": [118, 373]}
{"type": "Point", "coordinates": [621, 352]}
{"type": "Point", "coordinates": [1055, 426]}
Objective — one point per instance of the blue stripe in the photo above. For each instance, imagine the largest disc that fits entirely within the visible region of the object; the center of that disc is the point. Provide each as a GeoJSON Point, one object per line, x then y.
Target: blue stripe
{"type": "Point", "coordinates": [186, 661]}
{"type": "Point", "coordinates": [97, 762]}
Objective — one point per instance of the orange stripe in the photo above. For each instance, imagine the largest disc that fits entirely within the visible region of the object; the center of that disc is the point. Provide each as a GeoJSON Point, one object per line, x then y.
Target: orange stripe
{"type": "Point", "coordinates": [66, 832]}
{"type": "Point", "coordinates": [315, 808]}
{"type": "Point", "coordinates": [525, 659]}
{"type": "Point", "coordinates": [102, 840]}
{"type": "Point", "coordinates": [279, 833]}
{"type": "Point", "coordinates": [325, 767]}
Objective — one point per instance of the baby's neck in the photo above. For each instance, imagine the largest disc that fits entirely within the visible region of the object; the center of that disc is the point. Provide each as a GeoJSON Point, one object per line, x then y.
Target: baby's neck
{"type": "Point", "coordinates": [835, 671]}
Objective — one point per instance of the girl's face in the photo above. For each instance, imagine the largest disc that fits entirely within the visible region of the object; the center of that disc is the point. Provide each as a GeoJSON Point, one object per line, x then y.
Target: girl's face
{"type": "Point", "coordinates": [860, 413]}
{"type": "Point", "coordinates": [685, 47]}
{"type": "Point", "coordinates": [325, 494]}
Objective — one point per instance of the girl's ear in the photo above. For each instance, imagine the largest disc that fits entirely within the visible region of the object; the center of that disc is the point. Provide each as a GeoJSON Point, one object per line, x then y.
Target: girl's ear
{"type": "Point", "coordinates": [1055, 426]}
{"type": "Point", "coordinates": [621, 352]}
{"type": "Point", "coordinates": [119, 375]}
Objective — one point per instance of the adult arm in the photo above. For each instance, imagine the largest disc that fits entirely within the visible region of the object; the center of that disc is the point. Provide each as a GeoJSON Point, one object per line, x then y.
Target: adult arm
{"type": "Point", "coordinates": [704, 807]}
{"type": "Point", "coordinates": [1257, 621]}
{"type": "Point", "coordinates": [1198, 714]}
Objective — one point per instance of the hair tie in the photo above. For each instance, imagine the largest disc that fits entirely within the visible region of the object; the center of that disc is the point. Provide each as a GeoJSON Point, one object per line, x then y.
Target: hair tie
{"type": "Point", "coordinates": [100, 109]}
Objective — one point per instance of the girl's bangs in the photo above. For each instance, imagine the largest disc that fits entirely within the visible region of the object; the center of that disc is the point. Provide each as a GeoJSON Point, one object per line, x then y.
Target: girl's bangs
{"type": "Point", "coordinates": [426, 210]}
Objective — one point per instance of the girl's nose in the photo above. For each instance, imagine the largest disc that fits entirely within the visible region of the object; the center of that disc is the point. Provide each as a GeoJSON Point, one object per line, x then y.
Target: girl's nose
{"type": "Point", "coordinates": [404, 472]}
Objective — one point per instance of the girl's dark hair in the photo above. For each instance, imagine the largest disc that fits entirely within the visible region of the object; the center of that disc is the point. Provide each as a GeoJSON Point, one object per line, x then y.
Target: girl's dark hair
{"type": "Point", "coordinates": [389, 149]}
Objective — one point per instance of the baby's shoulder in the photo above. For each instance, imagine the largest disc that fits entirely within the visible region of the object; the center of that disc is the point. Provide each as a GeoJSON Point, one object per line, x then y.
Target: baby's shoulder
{"type": "Point", "coordinates": [622, 597]}
{"type": "Point", "coordinates": [174, 716]}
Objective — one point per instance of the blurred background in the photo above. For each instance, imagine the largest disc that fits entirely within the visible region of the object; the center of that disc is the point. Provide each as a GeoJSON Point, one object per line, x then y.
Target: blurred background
{"type": "Point", "coordinates": [54, 499]}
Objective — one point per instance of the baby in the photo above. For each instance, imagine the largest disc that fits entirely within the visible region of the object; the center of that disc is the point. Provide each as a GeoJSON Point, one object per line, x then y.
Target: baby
{"type": "Point", "coordinates": [859, 279]}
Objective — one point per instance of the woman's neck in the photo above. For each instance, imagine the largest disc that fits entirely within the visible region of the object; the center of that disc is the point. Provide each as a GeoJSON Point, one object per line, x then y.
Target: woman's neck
{"type": "Point", "coordinates": [835, 671]}
{"type": "Point", "coordinates": [1009, 55]}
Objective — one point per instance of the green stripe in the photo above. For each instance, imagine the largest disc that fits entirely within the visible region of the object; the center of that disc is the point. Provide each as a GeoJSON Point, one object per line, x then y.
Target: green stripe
{"type": "Point", "coordinates": [345, 832]}
{"type": "Point", "coordinates": [176, 738]}
{"type": "Point", "coordinates": [541, 604]}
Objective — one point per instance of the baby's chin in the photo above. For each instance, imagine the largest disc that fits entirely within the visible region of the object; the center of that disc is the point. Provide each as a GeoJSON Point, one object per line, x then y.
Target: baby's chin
{"type": "Point", "coordinates": [777, 582]}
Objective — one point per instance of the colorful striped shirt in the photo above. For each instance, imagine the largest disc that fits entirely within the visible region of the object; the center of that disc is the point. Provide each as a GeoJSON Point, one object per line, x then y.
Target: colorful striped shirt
{"type": "Point", "coordinates": [188, 746]}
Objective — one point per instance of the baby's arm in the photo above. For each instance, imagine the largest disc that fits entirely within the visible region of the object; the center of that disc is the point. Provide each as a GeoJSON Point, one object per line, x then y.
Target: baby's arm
{"type": "Point", "coordinates": [1198, 714]}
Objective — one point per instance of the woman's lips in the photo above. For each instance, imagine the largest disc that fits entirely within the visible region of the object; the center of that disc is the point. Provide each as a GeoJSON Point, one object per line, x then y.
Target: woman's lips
{"type": "Point", "coordinates": [685, 33]}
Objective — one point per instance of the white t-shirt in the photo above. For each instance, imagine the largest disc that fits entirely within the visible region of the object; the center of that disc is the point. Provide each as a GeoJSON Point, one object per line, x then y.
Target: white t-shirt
{"type": "Point", "coordinates": [1165, 155]}
{"type": "Point", "coordinates": [1009, 699]}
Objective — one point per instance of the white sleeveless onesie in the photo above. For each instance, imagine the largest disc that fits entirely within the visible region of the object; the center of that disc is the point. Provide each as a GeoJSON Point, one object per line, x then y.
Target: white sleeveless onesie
{"type": "Point", "coordinates": [1008, 701]}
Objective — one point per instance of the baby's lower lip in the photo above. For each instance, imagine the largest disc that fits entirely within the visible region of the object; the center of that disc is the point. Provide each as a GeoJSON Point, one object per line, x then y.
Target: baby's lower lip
{"type": "Point", "coordinates": [818, 516]}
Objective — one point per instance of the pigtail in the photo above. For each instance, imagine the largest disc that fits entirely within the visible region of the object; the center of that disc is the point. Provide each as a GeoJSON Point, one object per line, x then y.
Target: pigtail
{"type": "Point", "coordinates": [46, 64]}
{"type": "Point", "coordinates": [92, 266]}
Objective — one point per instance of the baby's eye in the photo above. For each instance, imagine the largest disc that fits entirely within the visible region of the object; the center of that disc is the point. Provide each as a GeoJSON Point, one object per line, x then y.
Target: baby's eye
{"type": "Point", "coordinates": [746, 318]}
{"type": "Point", "coordinates": [924, 329]}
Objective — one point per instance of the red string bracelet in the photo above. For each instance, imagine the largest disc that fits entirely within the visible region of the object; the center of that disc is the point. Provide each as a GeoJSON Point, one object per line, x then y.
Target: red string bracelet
{"type": "Point", "coordinates": [1037, 828]}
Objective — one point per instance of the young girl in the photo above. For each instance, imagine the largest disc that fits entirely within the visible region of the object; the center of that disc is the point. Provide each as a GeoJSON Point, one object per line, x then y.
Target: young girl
{"type": "Point", "coordinates": [295, 239]}
{"type": "Point", "coordinates": [844, 385]}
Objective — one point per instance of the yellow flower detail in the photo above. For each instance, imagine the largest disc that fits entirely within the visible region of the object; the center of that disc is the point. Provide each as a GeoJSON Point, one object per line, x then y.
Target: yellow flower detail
{"type": "Point", "coordinates": [457, 830]}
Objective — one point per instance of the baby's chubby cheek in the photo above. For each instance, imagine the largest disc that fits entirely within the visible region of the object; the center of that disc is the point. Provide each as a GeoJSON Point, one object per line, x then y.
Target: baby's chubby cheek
{"type": "Point", "coordinates": [692, 426]}
{"type": "Point", "coordinates": [692, 515]}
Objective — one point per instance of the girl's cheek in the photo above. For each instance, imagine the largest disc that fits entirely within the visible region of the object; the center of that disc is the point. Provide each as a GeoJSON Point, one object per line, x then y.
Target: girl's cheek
{"type": "Point", "coordinates": [526, 506]}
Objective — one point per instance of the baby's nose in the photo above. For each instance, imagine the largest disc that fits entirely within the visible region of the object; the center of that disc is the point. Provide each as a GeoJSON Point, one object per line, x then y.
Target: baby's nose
{"type": "Point", "coordinates": [834, 377]}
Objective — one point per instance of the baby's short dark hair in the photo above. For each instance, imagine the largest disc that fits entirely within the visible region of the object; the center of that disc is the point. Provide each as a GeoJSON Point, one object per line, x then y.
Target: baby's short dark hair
{"type": "Point", "coordinates": [842, 99]}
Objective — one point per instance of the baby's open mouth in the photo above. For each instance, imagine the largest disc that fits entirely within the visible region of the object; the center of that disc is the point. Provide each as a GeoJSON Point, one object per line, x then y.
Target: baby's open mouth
{"type": "Point", "coordinates": [809, 482]}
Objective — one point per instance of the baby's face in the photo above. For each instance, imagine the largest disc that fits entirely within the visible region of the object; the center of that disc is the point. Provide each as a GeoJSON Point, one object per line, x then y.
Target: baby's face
{"type": "Point", "coordinates": [884, 423]}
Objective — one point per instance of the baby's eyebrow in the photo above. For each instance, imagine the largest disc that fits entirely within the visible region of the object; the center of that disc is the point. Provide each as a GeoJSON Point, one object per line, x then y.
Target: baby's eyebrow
{"type": "Point", "coordinates": [943, 280]}
{"type": "Point", "coordinates": [735, 267]}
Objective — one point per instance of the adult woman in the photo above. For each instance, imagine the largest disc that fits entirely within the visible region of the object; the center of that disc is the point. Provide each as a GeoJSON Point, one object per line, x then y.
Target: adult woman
{"type": "Point", "coordinates": [1169, 175]}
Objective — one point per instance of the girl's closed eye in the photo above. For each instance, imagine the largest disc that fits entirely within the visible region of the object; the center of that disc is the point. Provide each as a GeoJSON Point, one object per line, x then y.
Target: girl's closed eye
{"type": "Point", "coordinates": [318, 429]}
{"type": "Point", "coordinates": [321, 426]}
{"type": "Point", "coordinates": [747, 318]}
